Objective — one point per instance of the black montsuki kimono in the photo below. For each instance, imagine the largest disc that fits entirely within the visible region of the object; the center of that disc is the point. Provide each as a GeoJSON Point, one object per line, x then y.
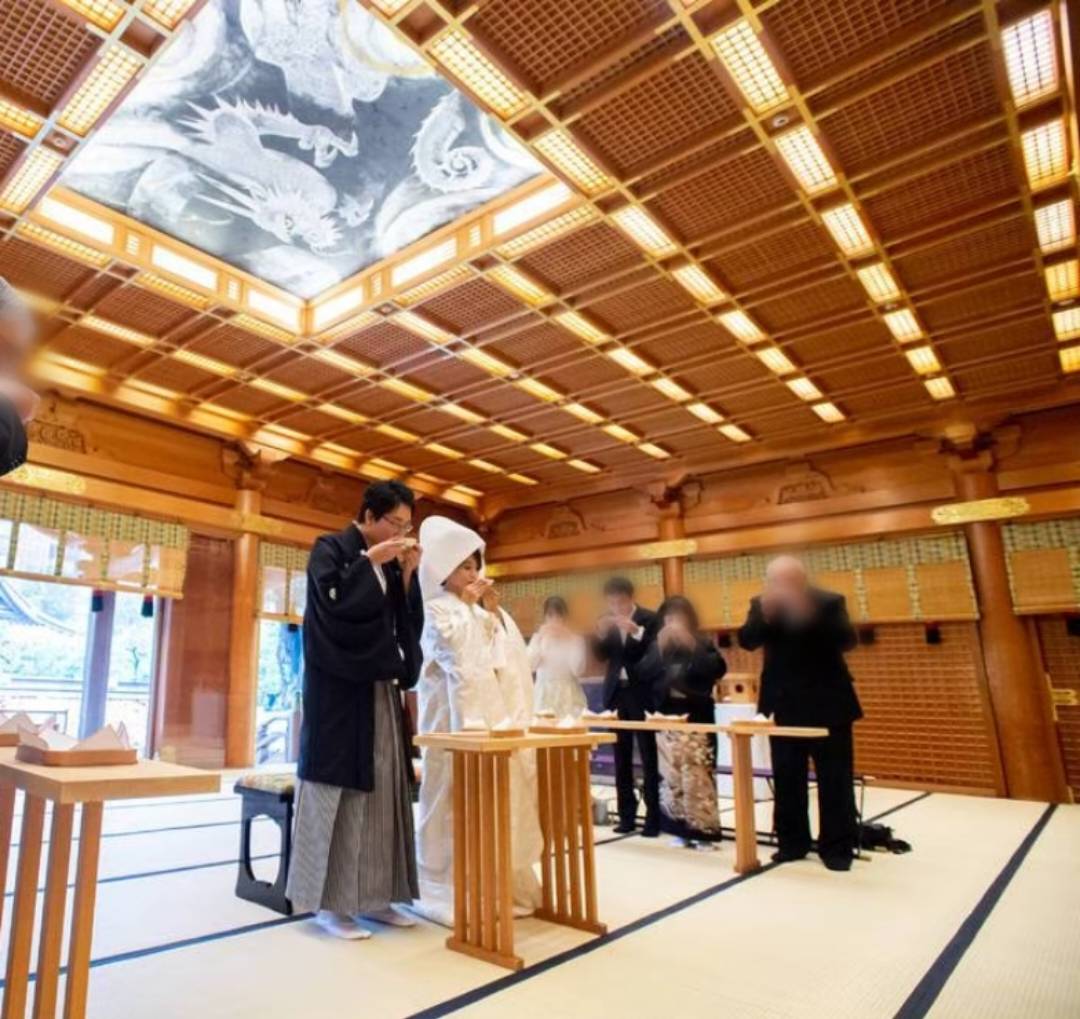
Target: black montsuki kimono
{"type": "Point", "coordinates": [355, 635]}
{"type": "Point", "coordinates": [13, 443]}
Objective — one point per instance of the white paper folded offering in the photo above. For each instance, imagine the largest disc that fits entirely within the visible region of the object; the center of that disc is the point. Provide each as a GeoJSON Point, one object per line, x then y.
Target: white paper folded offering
{"type": "Point", "coordinates": [503, 725]}
{"type": "Point", "coordinates": [19, 722]}
{"type": "Point", "coordinates": [473, 725]}
{"type": "Point", "coordinates": [659, 716]}
{"type": "Point", "coordinates": [106, 738]}
{"type": "Point", "coordinates": [598, 714]}
{"type": "Point", "coordinates": [569, 722]}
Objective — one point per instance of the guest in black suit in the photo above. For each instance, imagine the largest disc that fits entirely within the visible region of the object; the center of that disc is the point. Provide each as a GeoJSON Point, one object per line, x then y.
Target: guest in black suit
{"type": "Point", "coordinates": [805, 681]}
{"type": "Point", "coordinates": [354, 849]}
{"type": "Point", "coordinates": [623, 633]}
{"type": "Point", "coordinates": [17, 402]}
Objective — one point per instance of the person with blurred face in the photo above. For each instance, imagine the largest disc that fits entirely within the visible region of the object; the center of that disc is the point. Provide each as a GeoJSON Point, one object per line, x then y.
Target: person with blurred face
{"type": "Point", "coordinates": [805, 682]}
{"type": "Point", "coordinates": [475, 675]}
{"type": "Point", "coordinates": [354, 849]}
{"type": "Point", "coordinates": [557, 656]}
{"type": "Point", "coordinates": [682, 667]}
{"type": "Point", "coordinates": [622, 635]}
{"type": "Point", "coordinates": [17, 401]}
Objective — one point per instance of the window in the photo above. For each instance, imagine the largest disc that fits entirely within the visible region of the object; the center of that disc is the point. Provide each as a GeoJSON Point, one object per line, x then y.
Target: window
{"type": "Point", "coordinates": [281, 674]}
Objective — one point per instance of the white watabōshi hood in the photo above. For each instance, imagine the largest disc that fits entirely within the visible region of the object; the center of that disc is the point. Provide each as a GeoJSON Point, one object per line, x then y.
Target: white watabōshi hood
{"type": "Point", "coordinates": [446, 545]}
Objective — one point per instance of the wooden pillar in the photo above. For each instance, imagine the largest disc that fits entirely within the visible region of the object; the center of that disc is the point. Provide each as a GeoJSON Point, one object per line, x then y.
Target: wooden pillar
{"type": "Point", "coordinates": [1018, 687]}
{"type": "Point", "coordinates": [243, 682]}
{"type": "Point", "coordinates": [672, 529]}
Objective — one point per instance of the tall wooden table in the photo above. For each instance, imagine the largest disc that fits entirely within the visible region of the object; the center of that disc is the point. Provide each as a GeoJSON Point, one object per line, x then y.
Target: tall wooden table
{"type": "Point", "coordinates": [65, 787]}
{"type": "Point", "coordinates": [742, 768]}
{"type": "Point", "coordinates": [483, 869]}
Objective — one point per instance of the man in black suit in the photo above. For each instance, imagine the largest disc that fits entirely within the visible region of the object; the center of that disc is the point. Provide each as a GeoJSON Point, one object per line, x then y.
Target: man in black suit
{"type": "Point", "coordinates": [805, 682]}
{"type": "Point", "coordinates": [623, 633]}
{"type": "Point", "coordinates": [17, 402]}
{"type": "Point", "coordinates": [354, 845]}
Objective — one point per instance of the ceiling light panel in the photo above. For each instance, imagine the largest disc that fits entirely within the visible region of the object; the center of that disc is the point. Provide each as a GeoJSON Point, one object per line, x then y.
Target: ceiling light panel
{"type": "Point", "coordinates": [734, 433]}
{"type": "Point", "coordinates": [541, 390]}
{"type": "Point", "coordinates": [486, 465]}
{"type": "Point", "coordinates": [110, 76]}
{"type": "Point", "coordinates": [671, 389]}
{"type": "Point", "coordinates": [487, 362]}
{"type": "Point", "coordinates": [277, 389]}
{"type": "Point", "coordinates": [352, 365]}
{"type": "Point", "coordinates": [879, 283]}
{"type": "Point", "coordinates": [120, 332]}
{"type": "Point", "coordinates": [581, 326]}
{"type": "Point", "coordinates": [1031, 57]}
{"type": "Point", "coordinates": [847, 229]}
{"type": "Point", "coordinates": [524, 210]}
{"type": "Point", "coordinates": [620, 433]}
{"type": "Point", "coordinates": [1055, 225]}
{"type": "Point", "coordinates": [459, 55]}
{"type": "Point", "coordinates": [644, 231]}
{"type": "Point", "coordinates": [506, 432]}
{"type": "Point", "coordinates": [29, 179]}
{"type": "Point", "coordinates": [633, 363]}
{"type": "Point", "coordinates": [523, 479]}
{"type": "Point", "coordinates": [393, 432]}
{"type": "Point", "coordinates": [940, 388]}
{"type": "Point", "coordinates": [16, 119]}
{"type": "Point", "coordinates": [521, 286]}
{"type": "Point", "coordinates": [903, 325]}
{"type": "Point", "coordinates": [741, 326]}
{"type": "Point", "coordinates": [65, 245]}
{"type": "Point", "coordinates": [408, 390]}
{"type": "Point", "coordinates": [803, 388]}
{"type": "Point", "coordinates": [105, 14]}
{"type": "Point", "coordinates": [462, 413]}
{"type": "Point", "coordinates": [1070, 359]}
{"type": "Point", "coordinates": [1063, 280]}
{"type": "Point", "coordinates": [699, 284]}
{"type": "Point", "coordinates": [1045, 154]}
{"type": "Point", "coordinates": [546, 449]}
{"type": "Point", "coordinates": [1067, 323]}
{"type": "Point", "coordinates": [776, 360]}
{"type": "Point", "coordinates": [585, 466]}
{"type": "Point", "coordinates": [741, 52]}
{"type": "Point", "coordinates": [566, 155]}
{"type": "Point", "coordinates": [422, 327]}
{"type": "Point", "coordinates": [703, 412]}
{"type": "Point", "coordinates": [448, 451]}
{"type": "Point", "coordinates": [653, 450]}
{"type": "Point", "coordinates": [923, 360]}
{"type": "Point", "coordinates": [583, 413]}
{"type": "Point", "coordinates": [806, 160]}
{"type": "Point", "coordinates": [342, 414]}
{"type": "Point", "coordinates": [828, 412]}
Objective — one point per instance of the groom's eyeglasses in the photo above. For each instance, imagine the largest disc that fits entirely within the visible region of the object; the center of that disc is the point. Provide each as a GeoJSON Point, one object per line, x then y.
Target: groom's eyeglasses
{"type": "Point", "coordinates": [403, 527]}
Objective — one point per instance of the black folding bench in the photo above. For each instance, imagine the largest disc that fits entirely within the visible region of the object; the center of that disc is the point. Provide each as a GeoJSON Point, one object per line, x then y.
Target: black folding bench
{"type": "Point", "coordinates": [266, 795]}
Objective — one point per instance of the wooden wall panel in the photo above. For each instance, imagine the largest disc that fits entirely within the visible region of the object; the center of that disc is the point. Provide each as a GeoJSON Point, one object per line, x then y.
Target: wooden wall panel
{"type": "Point", "coordinates": [1061, 655]}
{"type": "Point", "coordinates": [926, 721]}
{"type": "Point", "coordinates": [194, 677]}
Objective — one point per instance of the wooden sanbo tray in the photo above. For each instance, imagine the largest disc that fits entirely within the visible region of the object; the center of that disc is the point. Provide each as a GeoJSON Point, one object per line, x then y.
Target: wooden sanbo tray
{"type": "Point", "coordinates": [75, 758]}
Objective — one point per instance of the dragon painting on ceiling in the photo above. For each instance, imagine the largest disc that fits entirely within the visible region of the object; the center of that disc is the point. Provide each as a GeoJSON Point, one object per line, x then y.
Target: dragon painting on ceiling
{"type": "Point", "coordinates": [299, 140]}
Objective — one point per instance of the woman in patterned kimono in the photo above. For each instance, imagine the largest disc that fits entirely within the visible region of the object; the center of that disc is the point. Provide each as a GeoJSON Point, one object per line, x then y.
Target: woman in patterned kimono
{"type": "Point", "coordinates": [475, 676]}
{"type": "Point", "coordinates": [682, 667]}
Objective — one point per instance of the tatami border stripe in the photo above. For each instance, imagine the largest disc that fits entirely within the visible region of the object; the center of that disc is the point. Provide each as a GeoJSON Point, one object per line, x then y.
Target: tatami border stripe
{"type": "Point", "coordinates": [495, 986]}
{"type": "Point", "coordinates": [926, 992]}
{"type": "Point", "coordinates": [485, 990]}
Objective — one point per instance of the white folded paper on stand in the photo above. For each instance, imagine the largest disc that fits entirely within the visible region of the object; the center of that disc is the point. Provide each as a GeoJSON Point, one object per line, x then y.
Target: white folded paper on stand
{"type": "Point", "coordinates": [19, 722]}
{"type": "Point", "coordinates": [598, 714]}
{"type": "Point", "coordinates": [659, 716]}
{"type": "Point", "coordinates": [106, 738]}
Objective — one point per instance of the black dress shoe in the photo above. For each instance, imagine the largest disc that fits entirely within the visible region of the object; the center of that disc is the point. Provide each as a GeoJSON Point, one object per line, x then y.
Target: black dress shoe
{"type": "Point", "coordinates": [624, 827]}
{"type": "Point", "coordinates": [649, 832]}
{"type": "Point", "coordinates": [780, 856]}
{"type": "Point", "coordinates": [837, 862]}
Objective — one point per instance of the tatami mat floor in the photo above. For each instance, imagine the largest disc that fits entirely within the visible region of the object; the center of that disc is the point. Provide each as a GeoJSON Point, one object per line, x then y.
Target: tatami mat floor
{"type": "Point", "coordinates": [979, 920]}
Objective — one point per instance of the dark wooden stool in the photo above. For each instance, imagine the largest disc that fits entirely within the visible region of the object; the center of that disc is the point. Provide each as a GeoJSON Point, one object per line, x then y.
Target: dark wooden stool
{"type": "Point", "coordinates": [266, 796]}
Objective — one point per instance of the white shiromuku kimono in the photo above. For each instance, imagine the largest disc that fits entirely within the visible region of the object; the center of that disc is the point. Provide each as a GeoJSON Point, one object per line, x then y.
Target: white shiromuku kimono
{"type": "Point", "coordinates": [475, 674]}
{"type": "Point", "coordinates": [559, 664]}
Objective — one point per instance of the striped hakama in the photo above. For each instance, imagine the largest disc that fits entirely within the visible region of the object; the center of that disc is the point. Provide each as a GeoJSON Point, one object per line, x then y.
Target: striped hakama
{"type": "Point", "coordinates": [354, 852]}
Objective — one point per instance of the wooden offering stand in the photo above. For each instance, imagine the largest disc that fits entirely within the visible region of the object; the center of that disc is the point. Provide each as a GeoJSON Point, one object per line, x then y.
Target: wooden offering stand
{"type": "Point", "coordinates": [742, 768]}
{"type": "Point", "coordinates": [483, 869]}
{"type": "Point", "coordinates": [64, 787]}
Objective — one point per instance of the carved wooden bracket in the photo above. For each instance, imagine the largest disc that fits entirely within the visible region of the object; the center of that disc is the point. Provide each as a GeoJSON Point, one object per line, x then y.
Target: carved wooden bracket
{"type": "Point", "coordinates": [249, 465]}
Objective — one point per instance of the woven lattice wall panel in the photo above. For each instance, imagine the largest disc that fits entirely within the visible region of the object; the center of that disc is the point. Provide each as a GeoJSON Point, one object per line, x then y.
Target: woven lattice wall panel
{"type": "Point", "coordinates": [524, 599]}
{"type": "Point", "coordinates": [50, 540]}
{"type": "Point", "coordinates": [925, 718]}
{"type": "Point", "coordinates": [1061, 653]}
{"type": "Point", "coordinates": [1044, 565]}
{"type": "Point", "coordinates": [883, 581]}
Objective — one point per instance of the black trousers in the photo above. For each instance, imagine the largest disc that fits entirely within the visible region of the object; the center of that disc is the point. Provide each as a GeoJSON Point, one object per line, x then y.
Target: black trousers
{"type": "Point", "coordinates": [630, 708]}
{"type": "Point", "coordinates": [833, 758]}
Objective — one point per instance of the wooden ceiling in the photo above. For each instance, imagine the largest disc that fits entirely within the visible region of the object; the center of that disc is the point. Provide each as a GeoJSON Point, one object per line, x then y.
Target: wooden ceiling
{"type": "Point", "coordinates": [877, 233]}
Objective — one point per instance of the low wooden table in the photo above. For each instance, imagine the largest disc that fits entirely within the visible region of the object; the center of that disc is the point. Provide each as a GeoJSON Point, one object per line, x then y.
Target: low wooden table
{"type": "Point", "coordinates": [483, 892]}
{"type": "Point", "coordinates": [65, 787]}
{"type": "Point", "coordinates": [742, 768]}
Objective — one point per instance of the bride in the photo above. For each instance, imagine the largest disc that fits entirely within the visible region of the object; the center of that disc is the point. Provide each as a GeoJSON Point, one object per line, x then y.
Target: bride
{"type": "Point", "coordinates": [475, 676]}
